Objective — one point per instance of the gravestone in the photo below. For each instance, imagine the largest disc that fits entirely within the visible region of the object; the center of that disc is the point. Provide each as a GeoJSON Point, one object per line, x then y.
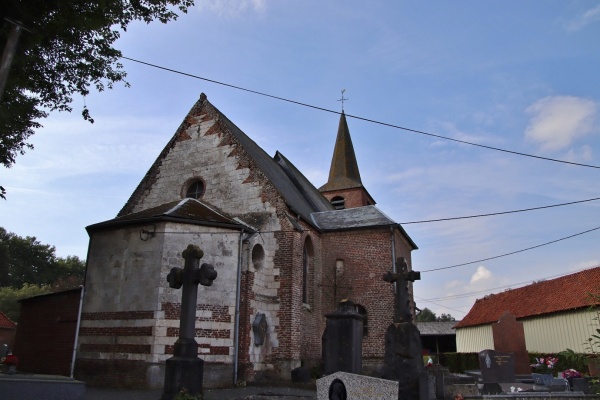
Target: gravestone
{"type": "Point", "coordinates": [403, 360]}
{"type": "Point", "coordinates": [185, 369]}
{"type": "Point", "coordinates": [496, 368]}
{"type": "Point", "coordinates": [342, 340]}
{"type": "Point", "coordinates": [344, 385]}
{"type": "Point", "coordinates": [509, 337]}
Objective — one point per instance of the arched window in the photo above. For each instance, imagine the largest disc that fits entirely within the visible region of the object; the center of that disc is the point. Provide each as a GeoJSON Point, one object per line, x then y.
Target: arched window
{"type": "Point", "coordinates": [258, 257]}
{"type": "Point", "coordinates": [307, 255]}
{"type": "Point", "coordinates": [195, 190]}
{"type": "Point", "coordinates": [338, 202]}
{"type": "Point", "coordinates": [363, 311]}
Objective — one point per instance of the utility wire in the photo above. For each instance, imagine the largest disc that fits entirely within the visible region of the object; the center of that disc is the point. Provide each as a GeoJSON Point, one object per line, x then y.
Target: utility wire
{"type": "Point", "coordinates": [498, 213]}
{"type": "Point", "coordinates": [360, 118]}
{"type": "Point", "coordinates": [441, 305]}
{"type": "Point", "coordinates": [513, 252]}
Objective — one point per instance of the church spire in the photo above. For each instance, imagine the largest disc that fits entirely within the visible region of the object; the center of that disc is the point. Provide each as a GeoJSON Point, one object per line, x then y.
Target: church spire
{"type": "Point", "coordinates": [343, 173]}
{"type": "Point", "coordinates": [344, 189]}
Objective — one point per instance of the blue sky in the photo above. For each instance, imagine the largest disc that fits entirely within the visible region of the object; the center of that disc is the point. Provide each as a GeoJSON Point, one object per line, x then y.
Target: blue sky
{"type": "Point", "coordinates": [518, 75]}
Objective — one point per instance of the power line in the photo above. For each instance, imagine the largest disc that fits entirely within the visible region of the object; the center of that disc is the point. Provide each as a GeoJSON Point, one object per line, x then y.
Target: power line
{"type": "Point", "coordinates": [440, 305]}
{"type": "Point", "coordinates": [359, 118]}
{"type": "Point", "coordinates": [498, 213]}
{"type": "Point", "coordinates": [513, 252]}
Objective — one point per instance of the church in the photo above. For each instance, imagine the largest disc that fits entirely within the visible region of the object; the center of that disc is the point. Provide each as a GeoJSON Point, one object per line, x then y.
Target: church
{"type": "Point", "coordinates": [285, 252]}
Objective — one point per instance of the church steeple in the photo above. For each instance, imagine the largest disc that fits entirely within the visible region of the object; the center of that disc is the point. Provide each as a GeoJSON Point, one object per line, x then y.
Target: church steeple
{"type": "Point", "coordinates": [344, 189]}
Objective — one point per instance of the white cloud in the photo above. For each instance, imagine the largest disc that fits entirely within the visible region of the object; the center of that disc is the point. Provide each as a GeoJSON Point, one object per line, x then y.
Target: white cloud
{"type": "Point", "coordinates": [232, 8]}
{"type": "Point", "coordinates": [481, 275]}
{"type": "Point", "coordinates": [584, 19]}
{"type": "Point", "coordinates": [556, 121]}
{"type": "Point", "coordinates": [582, 154]}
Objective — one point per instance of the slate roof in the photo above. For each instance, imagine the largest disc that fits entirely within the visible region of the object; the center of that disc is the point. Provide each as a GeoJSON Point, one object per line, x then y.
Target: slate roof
{"type": "Point", "coordinates": [299, 194]}
{"type": "Point", "coordinates": [356, 218]}
{"type": "Point", "coordinates": [567, 293]}
{"type": "Point", "coordinates": [437, 328]}
{"type": "Point", "coordinates": [6, 323]}
{"type": "Point", "coordinates": [344, 172]}
{"type": "Point", "coordinates": [351, 218]}
{"type": "Point", "coordinates": [186, 210]}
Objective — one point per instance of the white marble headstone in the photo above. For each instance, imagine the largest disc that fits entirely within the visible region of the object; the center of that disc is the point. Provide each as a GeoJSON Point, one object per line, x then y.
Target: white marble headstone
{"type": "Point", "coordinates": [358, 387]}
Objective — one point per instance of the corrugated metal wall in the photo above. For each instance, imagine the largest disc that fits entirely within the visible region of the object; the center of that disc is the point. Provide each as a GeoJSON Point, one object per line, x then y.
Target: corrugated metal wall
{"type": "Point", "coordinates": [473, 339]}
{"type": "Point", "coordinates": [556, 333]}
{"type": "Point", "coordinates": [549, 334]}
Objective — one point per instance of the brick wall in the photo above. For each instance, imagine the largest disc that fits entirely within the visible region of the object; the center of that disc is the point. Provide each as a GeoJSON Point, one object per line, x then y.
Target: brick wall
{"type": "Point", "coordinates": [354, 197]}
{"type": "Point", "coordinates": [46, 333]}
{"type": "Point", "coordinates": [366, 256]}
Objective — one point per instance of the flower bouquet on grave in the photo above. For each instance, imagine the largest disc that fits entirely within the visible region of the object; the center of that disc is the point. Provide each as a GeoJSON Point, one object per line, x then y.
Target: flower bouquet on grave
{"type": "Point", "coordinates": [569, 374]}
{"type": "Point", "coordinates": [10, 362]}
{"type": "Point", "coordinates": [544, 365]}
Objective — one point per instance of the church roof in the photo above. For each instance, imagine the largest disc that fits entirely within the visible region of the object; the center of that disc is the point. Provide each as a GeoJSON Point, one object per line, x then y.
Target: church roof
{"type": "Point", "coordinates": [300, 195]}
{"type": "Point", "coordinates": [186, 210]}
{"type": "Point", "coordinates": [356, 218]}
{"type": "Point", "coordinates": [344, 173]}
{"type": "Point", "coordinates": [351, 218]}
{"type": "Point", "coordinates": [569, 292]}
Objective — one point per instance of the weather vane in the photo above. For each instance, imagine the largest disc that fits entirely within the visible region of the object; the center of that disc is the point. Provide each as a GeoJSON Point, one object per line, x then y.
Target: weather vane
{"type": "Point", "coordinates": [342, 99]}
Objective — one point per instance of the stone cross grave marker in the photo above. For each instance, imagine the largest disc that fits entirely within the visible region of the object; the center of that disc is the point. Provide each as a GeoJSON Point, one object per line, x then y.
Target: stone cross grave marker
{"type": "Point", "coordinates": [402, 311]}
{"type": "Point", "coordinates": [185, 369]}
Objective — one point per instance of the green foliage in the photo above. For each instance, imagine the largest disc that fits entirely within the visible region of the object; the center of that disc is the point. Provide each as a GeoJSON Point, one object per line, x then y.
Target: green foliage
{"type": "Point", "coordinates": [459, 362]}
{"type": "Point", "coordinates": [592, 344]}
{"type": "Point", "coordinates": [27, 261]}
{"type": "Point", "coordinates": [570, 359]}
{"type": "Point", "coordinates": [445, 317]}
{"type": "Point", "coordinates": [426, 315]}
{"type": "Point", "coordinates": [67, 50]}
{"type": "Point", "coordinates": [185, 395]}
{"type": "Point", "coordinates": [9, 298]}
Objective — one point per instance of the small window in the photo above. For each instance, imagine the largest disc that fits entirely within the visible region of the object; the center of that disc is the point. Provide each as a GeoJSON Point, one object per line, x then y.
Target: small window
{"type": "Point", "coordinates": [195, 190]}
{"type": "Point", "coordinates": [258, 257]}
{"type": "Point", "coordinates": [338, 203]}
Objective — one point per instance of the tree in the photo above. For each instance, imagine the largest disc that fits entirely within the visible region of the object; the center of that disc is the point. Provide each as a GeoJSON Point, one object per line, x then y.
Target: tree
{"type": "Point", "coordinates": [67, 50]}
{"type": "Point", "coordinates": [9, 298]}
{"type": "Point", "coordinates": [426, 315]}
{"type": "Point", "coordinates": [27, 261]}
{"type": "Point", "coordinates": [445, 317]}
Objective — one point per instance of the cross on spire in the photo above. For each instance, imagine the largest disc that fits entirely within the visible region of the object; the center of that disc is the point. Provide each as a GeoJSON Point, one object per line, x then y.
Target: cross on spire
{"type": "Point", "coordinates": [342, 99]}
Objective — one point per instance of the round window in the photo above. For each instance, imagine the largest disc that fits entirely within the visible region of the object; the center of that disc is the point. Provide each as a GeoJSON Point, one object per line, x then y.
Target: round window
{"type": "Point", "coordinates": [195, 190]}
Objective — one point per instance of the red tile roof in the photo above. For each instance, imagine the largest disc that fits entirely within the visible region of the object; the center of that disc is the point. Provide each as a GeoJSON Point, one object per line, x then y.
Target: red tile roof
{"type": "Point", "coordinates": [6, 322]}
{"type": "Point", "coordinates": [569, 292]}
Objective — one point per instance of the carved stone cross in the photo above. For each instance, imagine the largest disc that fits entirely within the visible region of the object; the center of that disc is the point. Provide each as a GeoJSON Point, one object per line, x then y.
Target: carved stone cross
{"type": "Point", "coordinates": [402, 311]}
{"type": "Point", "coordinates": [189, 277]}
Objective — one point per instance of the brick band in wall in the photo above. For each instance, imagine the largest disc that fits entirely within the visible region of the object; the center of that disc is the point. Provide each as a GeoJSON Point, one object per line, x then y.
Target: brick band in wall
{"type": "Point", "coordinates": [115, 348]}
{"type": "Point", "coordinates": [213, 350]}
{"type": "Point", "coordinates": [218, 313]}
{"type": "Point", "coordinates": [204, 333]}
{"type": "Point", "coordinates": [118, 315]}
{"type": "Point", "coordinates": [116, 331]}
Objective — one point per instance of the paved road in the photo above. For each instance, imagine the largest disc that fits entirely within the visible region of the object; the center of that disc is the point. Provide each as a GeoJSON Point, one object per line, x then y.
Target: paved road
{"type": "Point", "coordinates": [245, 393]}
